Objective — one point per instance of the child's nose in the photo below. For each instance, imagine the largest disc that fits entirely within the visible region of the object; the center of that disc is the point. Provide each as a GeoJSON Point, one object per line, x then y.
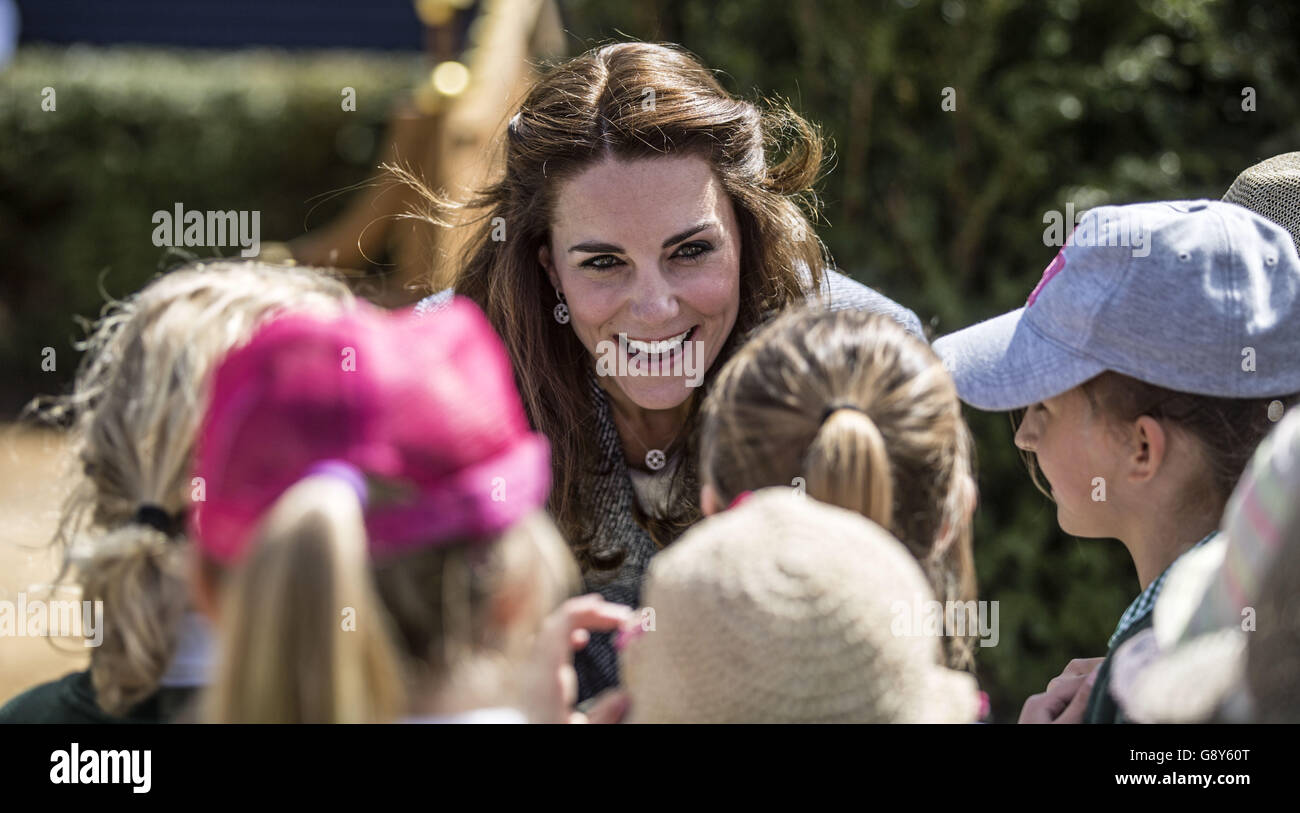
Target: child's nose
{"type": "Point", "coordinates": [1027, 435]}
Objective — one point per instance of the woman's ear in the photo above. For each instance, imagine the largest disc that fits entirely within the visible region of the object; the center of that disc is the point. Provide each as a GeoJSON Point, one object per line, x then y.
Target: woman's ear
{"type": "Point", "coordinates": [1148, 450]}
{"type": "Point", "coordinates": [710, 503]}
{"type": "Point", "coordinates": [544, 257]}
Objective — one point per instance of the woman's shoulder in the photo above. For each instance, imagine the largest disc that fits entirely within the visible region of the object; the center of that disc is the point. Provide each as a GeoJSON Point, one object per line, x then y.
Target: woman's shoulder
{"type": "Point", "coordinates": [841, 292]}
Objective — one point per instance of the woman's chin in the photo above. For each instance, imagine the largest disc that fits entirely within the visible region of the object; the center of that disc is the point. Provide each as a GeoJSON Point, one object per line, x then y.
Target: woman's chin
{"type": "Point", "coordinates": [666, 392]}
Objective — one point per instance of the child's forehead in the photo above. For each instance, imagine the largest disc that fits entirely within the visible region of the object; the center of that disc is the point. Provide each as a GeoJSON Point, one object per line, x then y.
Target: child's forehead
{"type": "Point", "coordinates": [1073, 398]}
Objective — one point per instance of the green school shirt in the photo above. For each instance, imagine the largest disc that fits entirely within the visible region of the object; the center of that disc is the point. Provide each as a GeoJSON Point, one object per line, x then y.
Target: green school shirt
{"type": "Point", "coordinates": [1139, 616]}
{"type": "Point", "coordinates": [71, 699]}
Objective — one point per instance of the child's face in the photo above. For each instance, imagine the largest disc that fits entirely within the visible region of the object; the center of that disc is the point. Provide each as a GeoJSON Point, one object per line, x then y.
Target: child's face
{"type": "Point", "coordinates": [1080, 458]}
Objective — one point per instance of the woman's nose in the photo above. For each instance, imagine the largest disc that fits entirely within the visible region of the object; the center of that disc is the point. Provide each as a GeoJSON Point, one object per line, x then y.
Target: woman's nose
{"type": "Point", "coordinates": [654, 300]}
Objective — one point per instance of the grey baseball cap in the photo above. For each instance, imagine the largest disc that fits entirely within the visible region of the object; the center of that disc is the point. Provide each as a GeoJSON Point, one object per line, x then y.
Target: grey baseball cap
{"type": "Point", "coordinates": [1198, 296]}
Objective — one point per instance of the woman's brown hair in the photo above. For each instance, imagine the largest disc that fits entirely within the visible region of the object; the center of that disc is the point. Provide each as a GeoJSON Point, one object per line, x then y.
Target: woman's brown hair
{"type": "Point", "coordinates": [629, 101]}
{"type": "Point", "coordinates": [869, 418]}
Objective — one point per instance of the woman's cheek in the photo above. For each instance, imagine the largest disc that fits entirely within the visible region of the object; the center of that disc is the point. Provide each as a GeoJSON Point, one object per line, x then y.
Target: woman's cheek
{"type": "Point", "coordinates": [716, 290]}
{"type": "Point", "coordinates": [590, 307]}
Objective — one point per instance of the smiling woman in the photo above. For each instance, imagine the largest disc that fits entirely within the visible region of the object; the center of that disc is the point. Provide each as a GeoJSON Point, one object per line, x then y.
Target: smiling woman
{"type": "Point", "coordinates": [666, 218]}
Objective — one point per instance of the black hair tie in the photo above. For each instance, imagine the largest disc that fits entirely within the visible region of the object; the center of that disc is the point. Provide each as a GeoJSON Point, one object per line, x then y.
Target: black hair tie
{"type": "Point", "coordinates": [155, 517]}
{"type": "Point", "coordinates": [833, 408]}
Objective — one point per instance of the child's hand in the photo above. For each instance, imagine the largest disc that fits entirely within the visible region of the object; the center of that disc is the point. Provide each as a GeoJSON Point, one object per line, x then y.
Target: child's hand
{"type": "Point", "coordinates": [1066, 696]}
{"type": "Point", "coordinates": [551, 684]}
{"type": "Point", "coordinates": [610, 706]}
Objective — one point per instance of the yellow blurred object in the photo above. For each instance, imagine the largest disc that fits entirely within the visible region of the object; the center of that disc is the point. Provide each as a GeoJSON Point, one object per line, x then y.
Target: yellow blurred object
{"type": "Point", "coordinates": [427, 99]}
{"type": "Point", "coordinates": [451, 78]}
{"type": "Point", "coordinates": [436, 12]}
{"type": "Point", "coordinates": [450, 137]}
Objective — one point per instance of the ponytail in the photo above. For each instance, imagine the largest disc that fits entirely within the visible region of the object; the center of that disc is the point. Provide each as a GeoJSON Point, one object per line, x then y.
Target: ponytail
{"type": "Point", "coordinates": [304, 636]}
{"type": "Point", "coordinates": [139, 574]}
{"type": "Point", "coordinates": [848, 465]}
{"type": "Point", "coordinates": [869, 418]}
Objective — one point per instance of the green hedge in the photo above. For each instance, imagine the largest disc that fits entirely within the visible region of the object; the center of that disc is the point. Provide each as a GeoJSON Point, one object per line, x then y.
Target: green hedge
{"type": "Point", "coordinates": [136, 130]}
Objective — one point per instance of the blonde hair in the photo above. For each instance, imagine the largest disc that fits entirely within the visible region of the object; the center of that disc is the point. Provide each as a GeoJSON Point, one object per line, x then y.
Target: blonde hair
{"type": "Point", "coordinates": [864, 417]}
{"type": "Point", "coordinates": [288, 653]}
{"type": "Point", "coordinates": [134, 412]}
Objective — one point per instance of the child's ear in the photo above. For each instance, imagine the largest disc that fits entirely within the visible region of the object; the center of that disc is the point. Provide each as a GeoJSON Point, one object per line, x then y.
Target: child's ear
{"type": "Point", "coordinates": [544, 257]}
{"type": "Point", "coordinates": [710, 502]}
{"type": "Point", "coordinates": [1149, 449]}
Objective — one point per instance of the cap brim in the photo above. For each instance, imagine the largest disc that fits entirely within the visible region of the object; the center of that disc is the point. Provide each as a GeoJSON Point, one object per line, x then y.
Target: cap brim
{"type": "Point", "coordinates": [1004, 363]}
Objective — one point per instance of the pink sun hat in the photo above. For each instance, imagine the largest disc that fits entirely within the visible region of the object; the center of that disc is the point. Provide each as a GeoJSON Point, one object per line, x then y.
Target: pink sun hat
{"type": "Point", "coordinates": [419, 412]}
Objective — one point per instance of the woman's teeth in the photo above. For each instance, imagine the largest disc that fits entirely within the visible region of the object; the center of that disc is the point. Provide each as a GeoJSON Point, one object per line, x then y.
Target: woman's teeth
{"type": "Point", "coordinates": [657, 348]}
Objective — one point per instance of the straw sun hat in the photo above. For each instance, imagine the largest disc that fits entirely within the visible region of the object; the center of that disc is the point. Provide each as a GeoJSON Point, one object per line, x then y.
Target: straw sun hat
{"type": "Point", "coordinates": [782, 610]}
{"type": "Point", "coordinates": [1272, 188]}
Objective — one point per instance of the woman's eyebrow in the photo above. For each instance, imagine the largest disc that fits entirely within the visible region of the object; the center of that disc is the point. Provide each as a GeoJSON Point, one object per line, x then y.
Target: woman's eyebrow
{"type": "Point", "coordinates": [682, 235]}
{"type": "Point", "coordinates": [594, 247]}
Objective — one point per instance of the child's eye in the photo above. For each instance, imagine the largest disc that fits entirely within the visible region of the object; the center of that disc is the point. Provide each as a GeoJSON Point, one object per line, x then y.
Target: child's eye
{"type": "Point", "coordinates": [692, 251]}
{"type": "Point", "coordinates": [602, 261]}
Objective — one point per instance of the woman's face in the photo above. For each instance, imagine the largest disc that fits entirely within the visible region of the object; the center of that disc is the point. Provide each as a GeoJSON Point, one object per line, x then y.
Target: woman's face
{"type": "Point", "coordinates": [647, 255]}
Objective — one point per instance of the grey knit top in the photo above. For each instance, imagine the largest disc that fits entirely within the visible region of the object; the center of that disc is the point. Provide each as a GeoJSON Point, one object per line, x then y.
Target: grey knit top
{"type": "Point", "coordinates": [612, 496]}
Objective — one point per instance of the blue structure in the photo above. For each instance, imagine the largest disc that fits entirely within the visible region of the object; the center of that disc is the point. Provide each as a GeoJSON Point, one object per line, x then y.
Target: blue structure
{"type": "Point", "coordinates": [389, 25]}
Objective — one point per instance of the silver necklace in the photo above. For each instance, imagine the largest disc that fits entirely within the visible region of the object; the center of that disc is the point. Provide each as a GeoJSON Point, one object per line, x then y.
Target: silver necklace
{"type": "Point", "coordinates": [655, 459]}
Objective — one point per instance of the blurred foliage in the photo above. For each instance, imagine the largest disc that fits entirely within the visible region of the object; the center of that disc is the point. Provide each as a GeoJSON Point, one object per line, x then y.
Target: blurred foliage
{"type": "Point", "coordinates": [135, 131]}
{"type": "Point", "coordinates": [1056, 102]}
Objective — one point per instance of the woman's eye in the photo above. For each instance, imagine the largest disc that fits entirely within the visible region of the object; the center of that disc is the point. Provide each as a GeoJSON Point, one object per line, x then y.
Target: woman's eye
{"type": "Point", "coordinates": [693, 250]}
{"type": "Point", "coordinates": [603, 261]}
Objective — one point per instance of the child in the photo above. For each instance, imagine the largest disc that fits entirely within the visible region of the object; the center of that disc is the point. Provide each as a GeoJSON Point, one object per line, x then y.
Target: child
{"type": "Point", "coordinates": [373, 539]}
{"type": "Point", "coordinates": [134, 410]}
{"type": "Point", "coordinates": [864, 416]}
{"type": "Point", "coordinates": [786, 610]}
{"type": "Point", "coordinates": [1150, 357]}
{"type": "Point", "coordinates": [1223, 645]}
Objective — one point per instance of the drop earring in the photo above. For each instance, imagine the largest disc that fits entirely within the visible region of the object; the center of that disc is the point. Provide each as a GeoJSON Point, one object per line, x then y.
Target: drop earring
{"type": "Point", "coordinates": [561, 310]}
